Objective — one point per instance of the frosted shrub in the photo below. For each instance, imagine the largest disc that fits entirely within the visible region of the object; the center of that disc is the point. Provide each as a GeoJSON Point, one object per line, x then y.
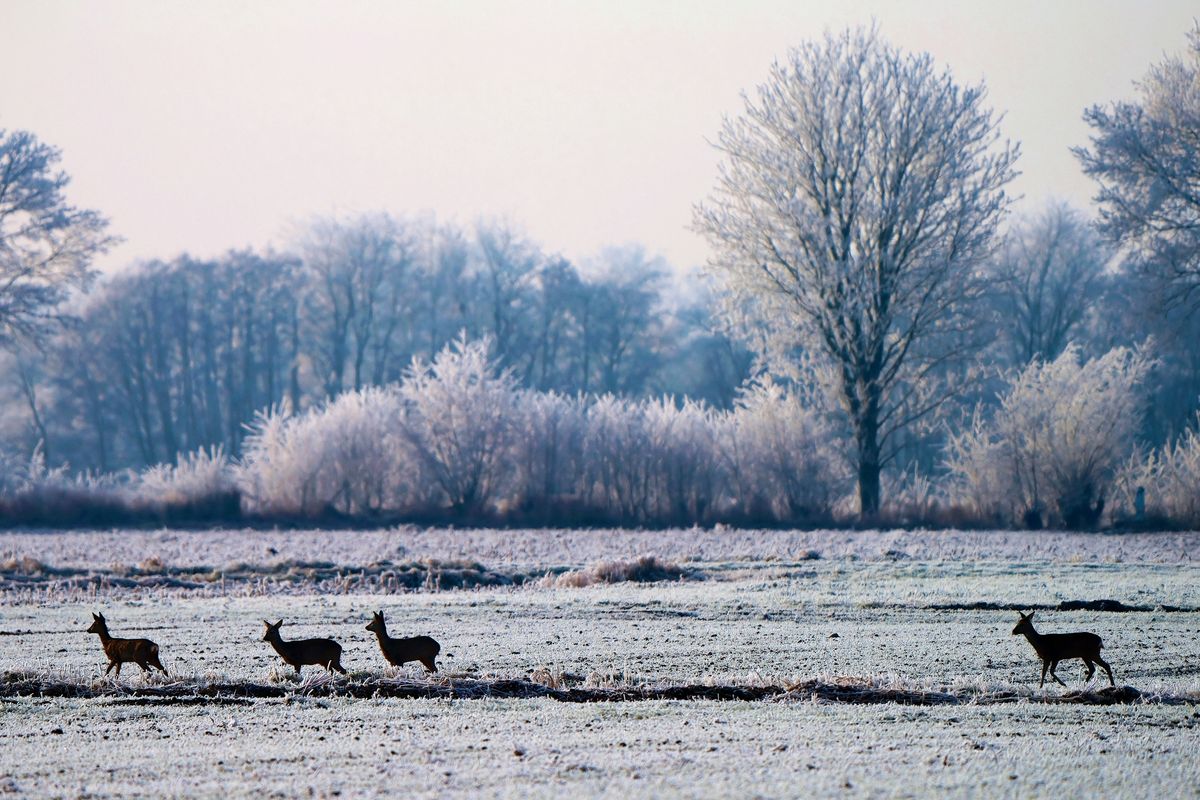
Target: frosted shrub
{"type": "Point", "coordinates": [367, 471]}
{"type": "Point", "coordinates": [458, 424]}
{"type": "Point", "coordinates": [1051, 450]}
{"type": "Point", "coordinates": [683, 459]}
{"type": "Point", "coordinates": [199, 477]}
{"type": "Point", "coordinates": [346, 456]}
{"type": "Point", "coordinates": [1170, 477]}
{"type": "Point", "coordinates": [781, 457]}
{"type": "Point", "coordinates": [912, 497]}
{"type": "Point", "coordinates": [33, 492]}
{"type": "Point", "coordinates": [547, 459]}
{"type": "Point", "coordinates": [618, 458]}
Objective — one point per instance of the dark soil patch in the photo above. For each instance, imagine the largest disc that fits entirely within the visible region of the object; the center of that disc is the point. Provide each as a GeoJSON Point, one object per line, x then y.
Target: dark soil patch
{"type": "Point", "coordinates": [1066, 605]}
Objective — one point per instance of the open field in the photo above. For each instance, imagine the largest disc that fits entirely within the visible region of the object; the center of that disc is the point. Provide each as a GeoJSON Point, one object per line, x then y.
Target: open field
{"type": "Point", "coordinates": [921, 612]}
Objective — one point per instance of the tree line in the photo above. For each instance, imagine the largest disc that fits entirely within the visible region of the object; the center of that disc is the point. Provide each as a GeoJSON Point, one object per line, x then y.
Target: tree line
{"type": "Point", "coordinates": [865, 260]}
{"type": "Point", "coordinates": [169, 357]}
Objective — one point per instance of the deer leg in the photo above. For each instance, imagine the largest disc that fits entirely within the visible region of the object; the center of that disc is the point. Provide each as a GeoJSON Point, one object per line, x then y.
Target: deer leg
{"type": "Point", "coordinates": [1091, 670]}
{"type": "Point", "coordinates": [117, 664]}
{"type": "Point", "coordinates": [1104, 664]}
{"type": "Point", "coordinates": [111, 664]}
{"type": "Point", "coordinates": [1054, 664]}
{"type": "Point", "coordinates": [429, 664]}
{"type": "Point", "coordinates": [336, 664]}
{"type": "Point", "coordinates": [1045, 666]}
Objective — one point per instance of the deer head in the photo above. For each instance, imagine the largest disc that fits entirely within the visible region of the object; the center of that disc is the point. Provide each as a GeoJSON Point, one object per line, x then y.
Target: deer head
{"type": "Point", "coordinates": [1024, 624]}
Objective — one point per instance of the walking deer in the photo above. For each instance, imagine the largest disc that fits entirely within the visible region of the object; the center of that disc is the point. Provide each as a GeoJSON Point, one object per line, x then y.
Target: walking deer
{"type": "Point", "coordinates": [398, 651]}
{"type": "Point", "coordinates": [1054, 647]}
{"type": "Point", "coordinates": [304, 652]}
{"type": "Point", "coordinates": [142, 652]}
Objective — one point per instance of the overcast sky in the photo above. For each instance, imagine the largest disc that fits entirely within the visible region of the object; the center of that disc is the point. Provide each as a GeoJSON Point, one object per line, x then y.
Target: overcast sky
{"type": "Point", "coordinates": [201, 126]}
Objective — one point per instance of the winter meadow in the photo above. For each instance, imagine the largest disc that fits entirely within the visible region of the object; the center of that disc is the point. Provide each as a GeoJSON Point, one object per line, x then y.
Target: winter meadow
{"type": "Point", "coordinates": [866, 466]}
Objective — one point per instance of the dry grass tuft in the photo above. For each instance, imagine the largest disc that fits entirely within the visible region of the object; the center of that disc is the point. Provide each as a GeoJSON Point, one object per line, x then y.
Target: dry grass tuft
{"type": "Point", "coordinates": [646, 569]}
{"type": "Point", "coordinates": [23, 565]}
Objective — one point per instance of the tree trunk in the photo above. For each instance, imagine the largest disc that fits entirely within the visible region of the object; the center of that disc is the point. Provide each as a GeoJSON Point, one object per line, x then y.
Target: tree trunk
{"type": "Point", "coordinates": [867, 437]}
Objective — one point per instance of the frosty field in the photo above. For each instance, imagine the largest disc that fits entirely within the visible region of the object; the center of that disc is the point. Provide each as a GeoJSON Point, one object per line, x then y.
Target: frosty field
{"type": "Point", "coordinates": [920, 611]}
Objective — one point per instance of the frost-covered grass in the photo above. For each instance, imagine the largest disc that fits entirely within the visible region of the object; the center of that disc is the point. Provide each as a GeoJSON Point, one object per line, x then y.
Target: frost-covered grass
{"type": "Point", "coordinates": [539, 748]}
{"type": "Point", "coordinates": [778, 629]}
{"type": "Point", "coordinates": [763, 611]}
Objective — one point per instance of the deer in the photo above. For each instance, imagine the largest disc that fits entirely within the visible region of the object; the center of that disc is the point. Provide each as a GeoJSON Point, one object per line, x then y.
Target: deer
{"type": "Point", "coordinates": [399, 651]}
{"type": "Point", "coordinates": [303, 652]}
{"type": "Point", "coordinates": [142, 652]}
{"type": "Point", "coordinates": [1054, 647]}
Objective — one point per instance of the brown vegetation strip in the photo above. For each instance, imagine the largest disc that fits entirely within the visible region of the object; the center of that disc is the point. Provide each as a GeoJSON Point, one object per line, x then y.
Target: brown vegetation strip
{"type": "Point", "coordinates": [845, 690]}
{"type": "Point", "coordinates": [325, 577]}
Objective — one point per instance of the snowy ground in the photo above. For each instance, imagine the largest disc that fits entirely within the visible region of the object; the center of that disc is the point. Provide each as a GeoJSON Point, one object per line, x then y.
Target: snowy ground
{"type": "Point", "coordinates": [760, 610]}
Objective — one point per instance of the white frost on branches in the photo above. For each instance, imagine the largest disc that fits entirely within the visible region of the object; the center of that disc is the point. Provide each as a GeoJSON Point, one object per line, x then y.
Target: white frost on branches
{"type": "Point", "coordinates": [1051, 450]}
{"type": "Point", "coordinates": [457, 436]}
{"type": "Point", "coordinates": [860, 192]}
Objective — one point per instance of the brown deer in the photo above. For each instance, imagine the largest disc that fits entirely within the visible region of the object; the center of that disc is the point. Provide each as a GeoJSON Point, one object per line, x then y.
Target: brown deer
{"type": "Point", "coordinates": [142, 652]}
{"type": "Point", "coordinates": [398, 651]}
{"type": "Point", "coordinates": [1054, 647]}
{"type": "Point", "coordinates": [303, 652]}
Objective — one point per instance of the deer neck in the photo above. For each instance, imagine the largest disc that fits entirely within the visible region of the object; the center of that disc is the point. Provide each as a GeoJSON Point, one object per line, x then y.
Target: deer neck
{"type": "Point", "coordinates": [382, 635]}
{"type": "Point", "coordinates": [277, 642]}
{"type": "Point", "coordinates": [1034, 638]}
{"type": "Point", "coordinates": [104, 637]}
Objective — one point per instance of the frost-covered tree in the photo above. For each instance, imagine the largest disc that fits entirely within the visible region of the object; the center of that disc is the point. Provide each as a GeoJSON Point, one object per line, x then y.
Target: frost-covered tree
{"type": "Point", "coordinates": [46, 244]}
{"type": "Point", "coordinates": [1049, 275]}
{"type": "Point", "coordinates": [1050, 451]}
{"type": "Point", "coordinates": [859, 194]}
{"type": "Point", "coordinates": [1145, 155]}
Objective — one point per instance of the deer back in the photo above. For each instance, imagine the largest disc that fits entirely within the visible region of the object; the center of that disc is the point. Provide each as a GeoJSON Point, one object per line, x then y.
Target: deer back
{"type": "Point", "coordinates": [414, 648]}
{"type": "Point", "coordinates": [1059, 646]}
{"type": "Point", "coordinates": [130, 650]}
{"type": "Point", "coordinates": [307, 651]}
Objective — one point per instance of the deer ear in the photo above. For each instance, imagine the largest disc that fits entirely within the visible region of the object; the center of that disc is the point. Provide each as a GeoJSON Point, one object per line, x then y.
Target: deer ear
{"type": "Point", "coordinates": [1030, 615]}
{"type": "Point", "coordinates": [277, 624]}
{"type": "Point", "coordinates": [95, 615]}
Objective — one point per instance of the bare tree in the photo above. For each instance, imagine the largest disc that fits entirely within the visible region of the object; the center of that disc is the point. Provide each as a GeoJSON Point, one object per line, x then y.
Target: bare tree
{"type": "Point", "coordinates": [860, 191]}
{"type": "Point", "coordinates": [1049, 274]}
{"type": "Point", "coordinates": [46, 244]}
{"type": "Point", "coordinates": [1146, 157]}
{"type": "Point", "coordinates": [621, 320]}
{"type": "Point", "coordinates": [507, 268]}
{"type": "Point", "coordinates": [357, 269]}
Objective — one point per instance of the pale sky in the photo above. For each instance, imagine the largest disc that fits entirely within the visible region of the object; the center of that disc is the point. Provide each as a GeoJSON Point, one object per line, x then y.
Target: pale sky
{"type": "Point", "coordinates": [201, 126]}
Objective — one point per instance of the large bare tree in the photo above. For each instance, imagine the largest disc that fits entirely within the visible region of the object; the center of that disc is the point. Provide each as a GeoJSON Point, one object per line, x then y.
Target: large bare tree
{"type": "Point", "coordinates": [859, 193]}
{"type": "Point", "coordinates": [46, 244]}
{"type": "Point", "coordinates": [1145, 155]}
